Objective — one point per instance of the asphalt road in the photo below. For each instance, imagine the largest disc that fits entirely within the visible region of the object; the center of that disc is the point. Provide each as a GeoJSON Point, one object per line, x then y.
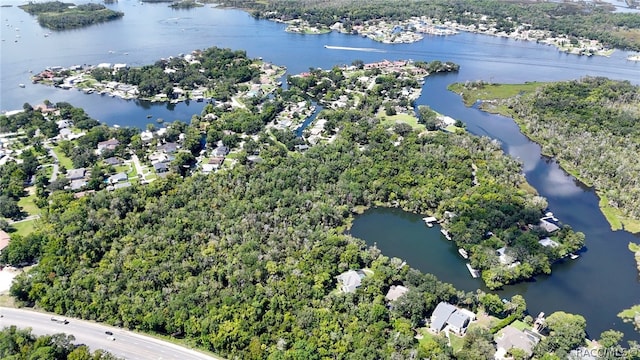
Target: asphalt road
{"type": "Point", "coordinates": [125, 344]}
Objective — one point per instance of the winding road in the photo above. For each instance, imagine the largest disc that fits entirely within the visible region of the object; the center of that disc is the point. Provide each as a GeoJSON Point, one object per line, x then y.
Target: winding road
{"type": "Point", "coordinates": [122, 343]}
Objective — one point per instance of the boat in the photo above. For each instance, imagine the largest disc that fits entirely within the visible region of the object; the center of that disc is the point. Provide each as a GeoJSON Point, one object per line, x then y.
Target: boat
{"type": "Point", "coordinates": [474, 273]}
{"type": "Point", "coordinates": [446, 234]}
{"type": "Point", "coordinates": [463, 253]}
{"type": "Point", "coordinates": [574, 256]}
{"type": "Point", "coordinates": [429, 220]}
{"type": "Point", "coordinates": [21, 85]}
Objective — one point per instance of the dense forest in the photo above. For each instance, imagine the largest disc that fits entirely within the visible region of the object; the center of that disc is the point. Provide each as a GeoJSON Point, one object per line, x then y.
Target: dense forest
{"type": "Point", "coordinates": [21, 344]}
{"type": "Point", "coordinates": [592, 20]}
{"type": "Point", "coordinates": [592, 126]}
{"type": "Point", "coordinates": [57, 15]}
{"type": "Point", "coordinates": [244, 262]}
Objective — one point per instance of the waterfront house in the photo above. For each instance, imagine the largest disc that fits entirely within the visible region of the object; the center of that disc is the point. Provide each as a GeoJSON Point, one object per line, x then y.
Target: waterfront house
{"type": "Point", "coordinates": [395, 292]}
{"type": "Point", "coordinates": [512, 338]}
{"type": "Point", "coordinates": [505, 259]}
{"type": "Point", "coordinates": [547, 242]}
{"type": "Point", "coordinates": [349, 281]}
{"type": "Point", "coordinates": [447, 316]}
{"type": "Point", "coordinates": [110, 144]}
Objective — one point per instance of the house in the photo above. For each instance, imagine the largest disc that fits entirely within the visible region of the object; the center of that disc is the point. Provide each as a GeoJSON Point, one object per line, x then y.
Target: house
{"type": "Point", "coordinates": [214, 164]}
{"type": "Point", "coordinates": [449, 316]}
{"type": "Point", "coordinates": [548, 225]}
{"type": "Point", "coordinates": [77, 184]}
{"type": "Point", "coordinates": [160, 167]}
{"type": "Point", "coordinates": [146, 136]}
{"type": "Point", "coordinates": [302, 148]}
{"type": "Point", "coordinates": [110, 144]}
{"type": "Point", "coordinates": [76, 174]}
{"type": "Point", "coordinates": [169, 147]}
{"type": "Point", "coordinates": [221, 151]}
{"type": "Point", "coordinates": [4, 240]}
{"type": "Point", "coordinates": [395, 292]}
{"type": "Point", "coordinates": [349, 281]}
{"type": "Point", "coordinates": [458, 322]}
{"type": "Point", "coordinates": [440, 316]}
{"type": "Point", "coordinates": [119, 177]}
{"type": "Point", "coordinates": [113, 161]}
{"type": "Point", "coordinates": [504, 258]}
{"type": "Point", "coordinates": [547, 242]}
{"type": "Point", "coordinates": [512, 338]}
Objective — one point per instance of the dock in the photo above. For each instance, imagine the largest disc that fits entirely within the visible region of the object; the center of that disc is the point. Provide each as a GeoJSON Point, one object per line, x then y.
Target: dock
{"type": "Point", "coordinates": [429, 220]}
{"type": "Point", "coordinates": [474, 273]}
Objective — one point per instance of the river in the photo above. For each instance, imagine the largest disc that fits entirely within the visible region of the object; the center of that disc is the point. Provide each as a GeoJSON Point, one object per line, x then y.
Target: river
{"type": "Point", "coordinates": [598, 285]}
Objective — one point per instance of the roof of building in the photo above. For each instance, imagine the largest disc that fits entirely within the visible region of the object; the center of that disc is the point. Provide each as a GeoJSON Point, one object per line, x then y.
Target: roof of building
{"type": "Point", "coordinates": [74, 174]}
{"type": "Point", "coordinates": [548, 242]}
{"type": "Point", "coordinates": [548, 226]}
{"type": "Point", "coordinates": [4, 239]}
{"type": "Point", "coordinates": [118, 177]}
{"type": "Point", "coordinates": [350, 280]}
{"type": "Point", "coordinates": [441, 315]}
{"type": "Point", "coordinates": [160, 166]}
{"type": "Point", "coordinates": [109, 143]}
{"type": "Point", "coordinates": [168, 147]}
{"type": "Point", "coordinates": [510, 337]}
{"type": "Point", "coordinates": [112, 161]}
{"type": "Point", "coordinates": [395, 291]}
{"type": "Point", "coordinates": [458, 319]}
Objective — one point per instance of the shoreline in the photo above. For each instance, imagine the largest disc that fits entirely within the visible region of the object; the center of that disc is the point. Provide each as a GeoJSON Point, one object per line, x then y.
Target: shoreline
{"type": "Point", "coordinates": [614, 216]}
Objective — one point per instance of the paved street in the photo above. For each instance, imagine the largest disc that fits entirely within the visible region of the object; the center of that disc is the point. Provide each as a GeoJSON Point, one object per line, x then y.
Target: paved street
{"type": "Point", "coordinates": [126, 344]}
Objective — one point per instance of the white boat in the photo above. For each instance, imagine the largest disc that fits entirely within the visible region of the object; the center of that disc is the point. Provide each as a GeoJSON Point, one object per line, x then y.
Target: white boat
{"type": "Point", "coordinates": [21, 85]}
{"type": "Point", "coordinates": [574, 256]}
{"type": "Point", "coordinates": [463, 253]}
{"type": "Point", "coordinates": [429, 220]}
{"type": "Point", "coordinates": [445, 233]}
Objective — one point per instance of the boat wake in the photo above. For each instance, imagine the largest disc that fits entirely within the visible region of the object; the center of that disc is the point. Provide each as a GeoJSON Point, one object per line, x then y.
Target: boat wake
{"type": "Point", "coordinates": [353, 48]}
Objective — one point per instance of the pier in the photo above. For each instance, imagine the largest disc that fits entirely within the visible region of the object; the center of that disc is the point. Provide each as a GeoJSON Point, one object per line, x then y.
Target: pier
{"type": "Point", "coordinates": [474, 273]}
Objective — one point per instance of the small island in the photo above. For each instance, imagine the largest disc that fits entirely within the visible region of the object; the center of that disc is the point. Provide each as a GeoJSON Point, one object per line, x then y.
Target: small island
{"type": "Point", "coordinates": [57, 15]}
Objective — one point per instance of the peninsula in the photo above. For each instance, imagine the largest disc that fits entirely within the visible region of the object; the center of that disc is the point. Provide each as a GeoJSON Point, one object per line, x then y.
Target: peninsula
{"type": "Point", "coordinates": [589, 125]}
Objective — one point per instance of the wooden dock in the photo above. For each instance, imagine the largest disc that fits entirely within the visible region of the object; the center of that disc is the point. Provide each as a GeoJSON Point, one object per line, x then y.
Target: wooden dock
{"type": "Point", "coordinates": [474, 273]}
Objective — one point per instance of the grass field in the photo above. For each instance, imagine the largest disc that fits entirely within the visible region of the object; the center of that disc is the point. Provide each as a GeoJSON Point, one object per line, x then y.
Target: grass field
{"type": "Point", "coordinates": [616, 219]}
{"type": "Point", "coordinates": [62, 158]}
{"type": "Point", "coordinates": [28, 206]}
{"type": "Point", "coordinates": [24, 228]}
{"type": "Point", "coordinates": [493, 91]}
{"type": "Point", "coordinates": [405, 118]}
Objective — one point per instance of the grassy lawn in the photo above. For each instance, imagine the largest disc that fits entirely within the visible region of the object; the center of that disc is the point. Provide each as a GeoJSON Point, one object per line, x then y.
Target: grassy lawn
{"type": "Point", "coordinates": [454, 129]}
{"type": "Point", "coordinates": [493, 91]}
{"type": "Point", "coordinates": [27, 205]}
{"type": "Point", "coordinates": [405, 118]}
{"type": "Point", "coordinates": [64, 160]}
{"type": "Point", "coordinates": [520, 325]}
{"type": "Point", "coordinates": [24, 228]}
{"type": "Point", "coordinates": [456, 342]}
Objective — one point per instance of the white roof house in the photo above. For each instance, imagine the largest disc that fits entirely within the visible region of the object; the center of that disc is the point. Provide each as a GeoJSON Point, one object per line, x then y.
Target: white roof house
{"type": "Point", "coordinates": [350, 280]}
{"type": "Point", "coordinates": [396, 291]}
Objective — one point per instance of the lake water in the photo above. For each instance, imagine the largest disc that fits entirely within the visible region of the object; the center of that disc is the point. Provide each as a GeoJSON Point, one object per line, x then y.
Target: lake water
{"type": "Point", "coordinates": [598, 285]}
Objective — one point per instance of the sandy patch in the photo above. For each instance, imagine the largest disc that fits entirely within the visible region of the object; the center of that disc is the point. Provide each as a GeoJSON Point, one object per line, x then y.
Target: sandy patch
{"type": "Point", "coordinates": [6, 277]}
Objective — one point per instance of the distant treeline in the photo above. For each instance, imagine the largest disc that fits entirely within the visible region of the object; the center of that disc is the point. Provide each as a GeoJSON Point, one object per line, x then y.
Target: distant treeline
{"type": "Point", "coordinates": [583, 19]}
{"type": "Point", "coordinates": [57, 15]}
